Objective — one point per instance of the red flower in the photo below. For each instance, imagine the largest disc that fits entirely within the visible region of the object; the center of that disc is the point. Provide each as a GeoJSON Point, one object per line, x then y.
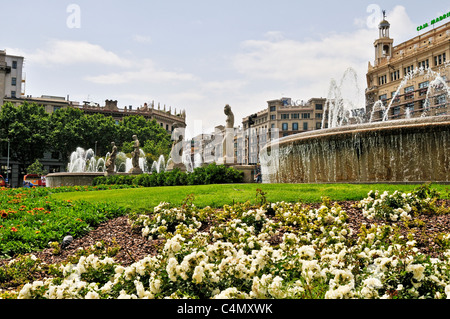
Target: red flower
{"type": "Point", "coordinates": [14, 229]}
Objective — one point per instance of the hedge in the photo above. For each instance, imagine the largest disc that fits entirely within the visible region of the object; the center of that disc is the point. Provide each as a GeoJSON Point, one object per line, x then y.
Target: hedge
{"type": "Point", "coordinates": [211, 174]}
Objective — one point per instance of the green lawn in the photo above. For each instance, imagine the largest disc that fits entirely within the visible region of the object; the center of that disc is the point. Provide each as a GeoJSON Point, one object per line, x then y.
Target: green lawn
{"type": "Point", "coordinates": [219, 195]}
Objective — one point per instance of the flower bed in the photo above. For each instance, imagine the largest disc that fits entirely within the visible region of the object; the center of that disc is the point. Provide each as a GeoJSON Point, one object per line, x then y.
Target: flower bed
{"type": "Point", "coordinates": [275, 250]}
{"type": "Point", "coordinates": [29, 219]}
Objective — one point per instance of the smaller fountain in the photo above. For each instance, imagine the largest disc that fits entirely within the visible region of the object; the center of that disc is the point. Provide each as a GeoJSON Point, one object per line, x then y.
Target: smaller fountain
{"type": "Point", "coordinates": [159, 165]}
{"type": "Point", "coordinates": [84, 161]}
{"type": "Point", "coordinates": [84, 166]}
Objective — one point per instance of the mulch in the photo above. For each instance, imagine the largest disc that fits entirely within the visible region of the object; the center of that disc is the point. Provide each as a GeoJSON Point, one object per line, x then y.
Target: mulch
{"type": "Point", "coordinates": [135, 247]}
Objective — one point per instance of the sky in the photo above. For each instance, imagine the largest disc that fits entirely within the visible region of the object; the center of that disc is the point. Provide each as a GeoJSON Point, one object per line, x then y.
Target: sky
{"type": "Point", "coordinates": [200, 55]}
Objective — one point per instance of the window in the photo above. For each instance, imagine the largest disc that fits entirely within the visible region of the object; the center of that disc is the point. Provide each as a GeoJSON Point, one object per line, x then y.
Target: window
{"type": "Point", "coordinates": [319, 115]}
{"type": "Point", "coordinates": [395, 75]}
{"type": "Point", "coordinates": [284, 126]}
{"type": "Point", "coordinates": [14, 64]}
{"type": "Point", "coordinates": [273, 117]}
{"type": "Point", "coordinates": [273, 108]}
{"type": "Point", "coordinates": [295, 115]}
{"type": "Point", "coordinates": [56, 108]}
{"type": "Point", "coordinates": [382, 97]}
{"type": "Point", "coordinates": [409, 92]}
{"type": "Point", "coordinates": [306, 115]}
{"type": "Point", "coordinates": [439, 59]}
{"type": "Point", "coordinates": [382, 79]}
{"type": "Point", "coordinates": [305, 126]}
{"type": "Point", "coordinates": [409, 107]}
{"type": "Point", "coordinates": [13, 94]}
{"type": "Point", "coordinates": [441, 99]}
{"type": "Point", "coordinates": [319, 107]}
{"type": "Point", "coordinates": [409, 89]}
{"type": "Point", "coordinates": [318, 126]}
{"type": "Point", "coordinates": [396, 110]}
{"type": "Point", "coordinates": [397, 98]}
{"type": "Point", "coordinates": [284, 116]}
{"type": "Point", "coordinates": [424, 85]}
{"type": "Point", "coordinates": [408, 69]}
{"type": "Point", "coordinates": [13, 81]}
{"type": "Point", "coordinates": [295, 126]}
{"type": "Point", "coordinates": [424, 64]}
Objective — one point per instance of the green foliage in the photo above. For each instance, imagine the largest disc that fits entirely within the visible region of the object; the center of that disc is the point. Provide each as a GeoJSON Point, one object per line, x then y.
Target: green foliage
{"type": "Point", "coordinates": [29, 220]}
{"type": "Point", "coordinates": [402, 206]}
{"type": "Point", "coordinates": [36, 168]}
{"type": "Point", "coordinates": [32, 131]}
{"type": "Point", "coordinates": [211, 174]}
{"type": "Point", "coordinates": [26, 127]}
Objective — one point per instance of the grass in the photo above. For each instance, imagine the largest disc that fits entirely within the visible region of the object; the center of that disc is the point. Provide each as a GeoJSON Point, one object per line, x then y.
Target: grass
{"type": "Point", "coordinates": [218, 195]}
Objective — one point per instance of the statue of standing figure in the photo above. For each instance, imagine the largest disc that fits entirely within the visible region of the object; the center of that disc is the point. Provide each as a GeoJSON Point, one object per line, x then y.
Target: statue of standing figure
{"type": "Point", "coordinates": [230, 116]}
{"type": "Point", "coordinates": [135, 157]}
{"type": "Point", "coordinates": [228, 138]}
{"type": "Point", "coordinates": [176, 153]}
{"type": "Point", "coordinates": [111, 162]}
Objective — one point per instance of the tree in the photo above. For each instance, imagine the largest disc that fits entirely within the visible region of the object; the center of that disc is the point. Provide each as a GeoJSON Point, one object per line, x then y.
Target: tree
{"type": "Point", "coordinates": [71, 128]}
{"type": "Point", "coordinates": [66, 130]}
{"type": "Point", "coordinates": [36, 168]}
{"type": "Point", "coordinates": [26, 127]}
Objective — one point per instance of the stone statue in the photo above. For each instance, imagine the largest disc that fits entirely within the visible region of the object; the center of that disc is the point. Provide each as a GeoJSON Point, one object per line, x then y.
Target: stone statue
{"type": "Point", "coordinates": [176, 154]}
{"type": "Point", "coordinates": [135, 157]}
{"type": "Point", "coordinates": [228, 152]}
{"type": "Point", "coordinates": [111, 162]}
{"type": "Point", "coordinates": [230, 116]}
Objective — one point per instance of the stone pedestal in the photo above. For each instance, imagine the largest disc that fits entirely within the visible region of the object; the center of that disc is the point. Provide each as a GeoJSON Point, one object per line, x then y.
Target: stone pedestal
{"type": "Point", "coordinates": [136, 171]}
{"type": "Point", "coordinates": [171, 166]}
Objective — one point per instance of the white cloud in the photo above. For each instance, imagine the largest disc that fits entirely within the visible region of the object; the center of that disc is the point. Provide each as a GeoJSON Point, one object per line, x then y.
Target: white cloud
{"type": "Point", "coordinates": [310, 65]}
{"type": "Point", "coordinates": [142, 71]}
{"type": "Point", "coordinates": [74, 52]}
{"type": "Point", "coordinates": [287, 59]}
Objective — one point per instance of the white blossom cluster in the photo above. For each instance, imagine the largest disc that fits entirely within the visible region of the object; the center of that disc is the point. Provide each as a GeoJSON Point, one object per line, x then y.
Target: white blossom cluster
{"type": "Point", "coordinates": [393, 207]}
{"type": "Point", "coordinates": [300, 252]}
{"type": "Point", "coordinates": [159, 224]}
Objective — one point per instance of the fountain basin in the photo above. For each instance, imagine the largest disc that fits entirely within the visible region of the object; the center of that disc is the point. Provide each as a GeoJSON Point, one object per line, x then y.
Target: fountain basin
{"type": "Point", "coordinates": [71, 179]}
{"type": "Point", "coordinates": [414, 150]}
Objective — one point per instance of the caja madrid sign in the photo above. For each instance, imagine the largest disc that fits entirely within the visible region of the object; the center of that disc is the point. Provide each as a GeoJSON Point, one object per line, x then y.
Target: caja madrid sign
{"type": "Point", "coordinates": [432, 22]}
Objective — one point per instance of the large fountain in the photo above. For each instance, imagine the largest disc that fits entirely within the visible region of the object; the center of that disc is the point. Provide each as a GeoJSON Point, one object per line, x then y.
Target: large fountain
{"type": "Point", "coordinates": [356, 149]}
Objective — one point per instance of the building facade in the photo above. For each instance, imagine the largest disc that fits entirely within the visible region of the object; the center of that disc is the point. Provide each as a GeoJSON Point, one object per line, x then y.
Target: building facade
{"type": "Point", "coordinates": [281, 118]}
{"type": "Point", "coordinates": [410, 78]}
{"type": "Point", "coordinates": [11, 76]}
{"type": "Point", "coordinates": [165, 118]}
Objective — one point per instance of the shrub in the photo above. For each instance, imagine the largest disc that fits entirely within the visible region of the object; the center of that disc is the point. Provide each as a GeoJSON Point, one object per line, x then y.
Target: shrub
{"type": "Point", "coordinates": [211, 174]}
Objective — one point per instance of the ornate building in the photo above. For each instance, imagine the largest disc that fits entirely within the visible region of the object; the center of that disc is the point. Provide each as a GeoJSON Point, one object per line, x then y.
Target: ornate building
{"type": "Point", "coordinates": [165, 118]}
{"type": "Point", "coordinates": [410, 78]}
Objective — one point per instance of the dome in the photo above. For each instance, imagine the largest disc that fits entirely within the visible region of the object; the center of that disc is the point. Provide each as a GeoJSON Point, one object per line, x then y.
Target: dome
{"type": "Point", "coordinates": [384, 23]}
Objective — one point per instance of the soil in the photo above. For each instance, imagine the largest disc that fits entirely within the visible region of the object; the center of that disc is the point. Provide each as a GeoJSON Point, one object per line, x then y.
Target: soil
{"type": "Point", "coordinates": [134, 246]}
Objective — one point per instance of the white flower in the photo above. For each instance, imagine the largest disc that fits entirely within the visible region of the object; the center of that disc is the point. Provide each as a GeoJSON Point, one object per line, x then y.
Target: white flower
{"type": "Point", "coordinates": [417, 270]}
{"type": "Point", "coordinates": [447, 291]}
{"type": "Point", "coordinates": [172, 269]}
{"type": "Point", "coordinates": [198, 274]}
{"type": "Point", "coordinates": [92, 295]}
